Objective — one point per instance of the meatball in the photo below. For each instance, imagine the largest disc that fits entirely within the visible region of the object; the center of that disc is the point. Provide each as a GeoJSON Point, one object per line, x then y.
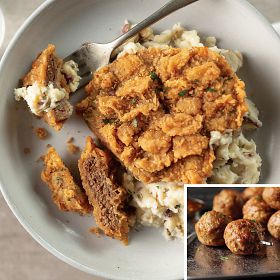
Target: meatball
{"type": "Point", "coordinates": [257, 209]}
{"type": "Point", "coordinates": [271, 196]}
{"type": "Point", "coordinates": [273, 225]}
{"type": "Point", "coordinates": [210, 228]}
{"type": "Point", "coordinates": [253, 191]}
{"type": "Point", "coordinates": [243, 237]}
{"type": "Point", "coordinates": [229, 202]}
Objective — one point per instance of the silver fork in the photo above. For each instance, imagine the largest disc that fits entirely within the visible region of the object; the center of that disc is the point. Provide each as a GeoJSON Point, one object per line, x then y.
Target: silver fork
{"type": "Point", "coordinates": [91, 56]}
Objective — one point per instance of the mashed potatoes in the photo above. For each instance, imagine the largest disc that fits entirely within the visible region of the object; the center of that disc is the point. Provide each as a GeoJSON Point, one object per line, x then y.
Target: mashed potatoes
{"type": "Point", "coordinates": [161, 204]}
{"type": "Point", "coordinates": [237, 161]}
{"type": "Point", "coordinates": [40, 98]}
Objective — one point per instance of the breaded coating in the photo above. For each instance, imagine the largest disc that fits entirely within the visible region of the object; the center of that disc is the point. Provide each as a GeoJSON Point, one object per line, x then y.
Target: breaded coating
{"type": "Point", "coordinates": [66, 194]}
{"type": "Point", "coordinates": [47, 69]}
{"type": "Point", "coordinates": [41, 133]}
{"type": "Point", "coordinates": [108, 198]}
{"type": "Point", "coordinates": [155, 110]}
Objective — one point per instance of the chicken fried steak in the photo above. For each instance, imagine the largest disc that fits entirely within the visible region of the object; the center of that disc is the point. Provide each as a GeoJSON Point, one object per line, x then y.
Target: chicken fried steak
{"type": "Point", "coordinates": [155, 110]}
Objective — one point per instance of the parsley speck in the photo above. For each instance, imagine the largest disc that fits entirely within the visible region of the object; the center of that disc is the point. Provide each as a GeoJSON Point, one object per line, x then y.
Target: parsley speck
{"type": "Point", "coordinates": [154, 76]}
{"type": "Point", "coordinates": [183, 93]}
{"type": "Point", "coordinates": [229, 78]}
{"type": "Point", "coordinates": [210, 89]}
{"type": "Point", "coordinates": [158, 90]}
{"type": "Point", "coordinates": [177, 206]}
{"type": "Point", "coordinates": [133, 101]}
{"type": "Point", "coordinates": [165, 89]}
{"type": "Point", "coordinates": [106, 121]}
{"type": "Point", "coordinates": [59, 180]}
{"type": "Point", "coordinates": [222, 258]}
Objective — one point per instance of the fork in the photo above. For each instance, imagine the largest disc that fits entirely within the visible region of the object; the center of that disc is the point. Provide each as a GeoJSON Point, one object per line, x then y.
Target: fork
{"type": "Point", "coordinates": [92, 56]}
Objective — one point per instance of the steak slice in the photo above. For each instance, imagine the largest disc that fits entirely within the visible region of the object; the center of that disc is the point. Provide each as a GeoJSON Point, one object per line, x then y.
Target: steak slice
{"type": "Point", "coordinates": [108, 198]}
{"type": "Point", "coordinates": [66, 194]}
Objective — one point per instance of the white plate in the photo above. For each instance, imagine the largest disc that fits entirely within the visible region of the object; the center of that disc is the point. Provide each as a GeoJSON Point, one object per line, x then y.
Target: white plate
{"type": "Point", "coordinates": [2, 28]}
{"type": "Point", "coordinates": [68, 23]}
{"type": "Point", "coordinates": [276, 26]}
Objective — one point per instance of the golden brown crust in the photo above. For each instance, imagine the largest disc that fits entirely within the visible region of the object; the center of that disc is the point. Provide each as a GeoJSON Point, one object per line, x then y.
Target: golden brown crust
{"type": "Point", "coordinates": [66, 194]}
{"type": "Point", "coordinates": [41, 133]}
{"type": "Point", "coordinates": [155, 109]}
{"type": "Point", "coordinates": [107, 197]}
{"type": "Point", "coordinates": [229, 202]}
{"type": "Point", "coordinates": [243, 237]}
{"type": "Point", "coordinates": [271, 195]}
{"type": "Point", "coordinates": [252, 191]}
{"type": "Point", "coordinates": [210, 228]}
{"type": "Point", "coordinates": [273, 225]}
{"type": "Point", "coordinates": [57, 116]}
{"type": "Point", "coordinates": [47, 69]}
{"type": "Point", "coordinates": [257, 209]}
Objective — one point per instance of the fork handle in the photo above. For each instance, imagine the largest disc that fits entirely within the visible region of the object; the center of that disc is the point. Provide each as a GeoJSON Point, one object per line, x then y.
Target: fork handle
{"type": "Point", "coordinates": [167, 9]}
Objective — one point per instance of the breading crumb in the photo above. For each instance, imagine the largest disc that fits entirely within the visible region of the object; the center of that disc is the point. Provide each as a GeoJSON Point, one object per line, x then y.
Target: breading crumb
{"type": "Point", "coordinates": [72, 149]}
{"type": "Point", "coordinates": [70, 140]}
{"type": "Point", "coordinates": [41, 158]}
{"type": "Point", "coordinates": [41, 133]}
{"type": "Point", "coordinates": [27, 151]}
{"type": "Point", "coordinates": [96, 231]}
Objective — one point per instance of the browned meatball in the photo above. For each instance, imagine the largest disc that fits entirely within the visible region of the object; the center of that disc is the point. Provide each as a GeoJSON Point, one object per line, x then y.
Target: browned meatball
{"type": "Point", "coordinates": [229, 202]}
{"type": "Point", "coordinates": [253, 191]}
{"type": "Point", "coordinates": [257, 209]}
{"type": "Point", "coordinates": [271, 196]}
{"type": "Point", "coordinates": [273, 225]}
{"type": "Point", "coordinates": [210, 228]}
{"type": "Point", "coordinates": [243, 237]}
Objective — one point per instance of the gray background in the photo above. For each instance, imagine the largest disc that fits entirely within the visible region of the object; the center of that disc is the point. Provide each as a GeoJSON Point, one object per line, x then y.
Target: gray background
{"type": "Point", "coordinates": [20, 256]}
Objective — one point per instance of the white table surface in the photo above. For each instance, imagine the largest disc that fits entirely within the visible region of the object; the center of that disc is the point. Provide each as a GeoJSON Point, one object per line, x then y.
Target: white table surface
{"type": "Point", "coordinates": [20, 256]}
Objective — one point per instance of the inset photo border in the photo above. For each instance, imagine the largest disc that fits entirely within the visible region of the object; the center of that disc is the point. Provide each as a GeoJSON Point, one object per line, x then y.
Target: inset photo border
{"type": "Point", "coordinates": [231, 231]}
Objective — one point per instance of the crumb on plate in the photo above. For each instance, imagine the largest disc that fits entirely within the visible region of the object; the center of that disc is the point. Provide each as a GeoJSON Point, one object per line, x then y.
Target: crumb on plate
{"type": "Point", "coordinates": [41, 133]}
{"type": "Point", "coordinates": [27, 151]}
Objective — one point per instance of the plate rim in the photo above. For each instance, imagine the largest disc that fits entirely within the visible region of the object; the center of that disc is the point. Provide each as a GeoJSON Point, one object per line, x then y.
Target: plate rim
{"type": "Point", "coordinates": [22, 220]}
{"type": "Point", "coordinates": [2, 28]}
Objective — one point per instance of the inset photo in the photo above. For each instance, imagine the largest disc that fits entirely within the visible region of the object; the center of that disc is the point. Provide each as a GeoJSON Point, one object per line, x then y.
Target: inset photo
{"type": "Point", "coordinates": [232, 232]}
